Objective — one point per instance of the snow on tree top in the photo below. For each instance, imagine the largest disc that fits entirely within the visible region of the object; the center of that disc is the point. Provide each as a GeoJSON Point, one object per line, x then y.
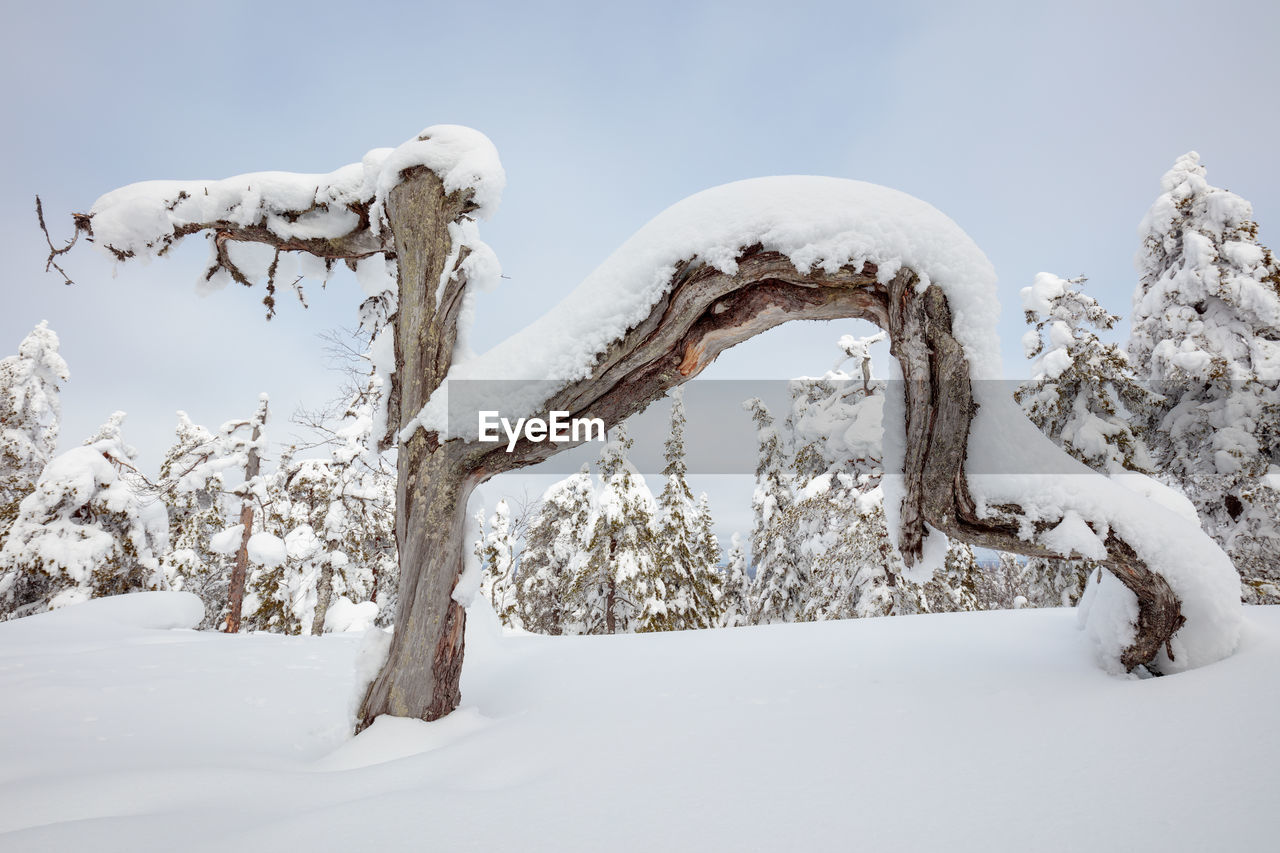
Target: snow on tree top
{"type": "Point", "coordinates": [818, 223]}
{"type": "Point", "coordinates": [147, 218]}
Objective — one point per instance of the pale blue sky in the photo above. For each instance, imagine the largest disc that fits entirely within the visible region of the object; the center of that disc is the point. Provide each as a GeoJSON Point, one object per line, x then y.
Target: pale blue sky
{"type": "Point", "coordinates": [1041, 129]}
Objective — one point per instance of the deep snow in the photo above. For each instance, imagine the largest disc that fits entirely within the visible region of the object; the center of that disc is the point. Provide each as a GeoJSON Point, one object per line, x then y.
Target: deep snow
{"type": "Point", "coordinates": [971, 731]}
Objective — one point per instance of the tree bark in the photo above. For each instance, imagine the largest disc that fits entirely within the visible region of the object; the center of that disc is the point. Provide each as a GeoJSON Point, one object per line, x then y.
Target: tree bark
{"type": "Point", "coordinates": [705, 312]}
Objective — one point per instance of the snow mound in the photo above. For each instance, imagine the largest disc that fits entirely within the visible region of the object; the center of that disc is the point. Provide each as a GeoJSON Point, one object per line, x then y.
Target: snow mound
{"type": "Point", "coordinates": [819, 223]}
{"type": "Point", "coordinates": [1006, 463]}
{"type": "Point", "coordinates": [392, 738]}
{"type": "Point", "coordinates": [148, 610]}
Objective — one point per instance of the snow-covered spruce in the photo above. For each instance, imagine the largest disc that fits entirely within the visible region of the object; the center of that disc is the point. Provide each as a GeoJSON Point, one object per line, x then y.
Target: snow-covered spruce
{"type": "Point", "coordinates": [192, 483]}
{"type": "Point", "coordinates": [85, 532]}
{"type": "Point", "coordinates": [1206, 328]}
{"type": "Point", "coordinates": [711, 272]}
{"type": "Point", "coordinates": [558, 539]}
{"type": "Point", "coordinates": [29, 418]}
{"type": "Point", "coordinates": [496, 552]}
{"type": "Point", "coordinates": [686, 549]}
{"type": "Point", "coordinates": [617, 588]}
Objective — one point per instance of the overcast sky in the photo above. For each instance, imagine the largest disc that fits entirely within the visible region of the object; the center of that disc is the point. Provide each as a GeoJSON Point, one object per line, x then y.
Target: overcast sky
{"type": "Point", "coordinates": [1042, 130]}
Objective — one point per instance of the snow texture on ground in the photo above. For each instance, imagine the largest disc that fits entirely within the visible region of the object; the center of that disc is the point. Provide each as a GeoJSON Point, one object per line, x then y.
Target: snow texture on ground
{"type": "Point", "coordinates": [973, 731]}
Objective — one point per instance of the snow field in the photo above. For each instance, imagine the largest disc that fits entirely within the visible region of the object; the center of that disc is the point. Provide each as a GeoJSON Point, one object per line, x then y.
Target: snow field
{"type": "Point", "coordinates": [975, 731]}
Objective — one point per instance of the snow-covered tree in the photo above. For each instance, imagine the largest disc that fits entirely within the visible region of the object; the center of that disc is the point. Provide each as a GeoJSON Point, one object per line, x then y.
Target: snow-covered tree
{"type": "Point", "coordinates": [241, 447]}
{"type": "Point", "coordinates": [29, 417]}
{"type": "Point", "coordinates": [956, 585]}
{"type": "Point", "coordinates": [708, 273]}
{"type": "Point", "coordinates": [735, 596]}
{"type": "Point", "coordinates": [1206, 328]}
{"type": "Point", "coordinates": [334, 518]}
{"type": "Point", "coordinates": [779, 587]}
{"type": "Point", "coordinates": [497, 554]}
{"type": "Point", "coordinates": [85, 532]}
{"type": "Point", "coordinates": [558, 539]}
{"type": "Point", "coordinates": [192, 483]}
{"type": "Point", "coordinates": [1054, 582]}
{"type": "Point", "coordinates": [686, 575]}
{"type": "Point", "coordinates": [617, 589]}
{"type": "Point", "coordinates": [1083, 393]}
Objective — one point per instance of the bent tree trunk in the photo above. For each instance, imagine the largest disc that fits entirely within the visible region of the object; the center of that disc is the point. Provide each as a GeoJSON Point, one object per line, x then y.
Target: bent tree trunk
{"type": "Point", "coordinates": [705, 312]}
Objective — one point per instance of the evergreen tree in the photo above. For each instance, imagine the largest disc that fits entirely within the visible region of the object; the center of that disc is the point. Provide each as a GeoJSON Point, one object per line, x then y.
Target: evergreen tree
{"type": "Point", "coordinates": [29, 417]}
{"type": "Point", "coordinates": [192, 482]}
{"type": "Point", "coordinates": [1084, 395]}
{"type": "Point", "coordinates": [956, 586]}
{"type": "Point", "coordinates": [1054, 582]}
{"type": "Point", "coordinates": [85, 532]}
{"type": "Point", "coordinates": [558, 537]}
{"type": "Point", "coordinates": [735, 596]}
{"type": "Point", "coordinates": [1206, 326]}
{"type": "Point", "coordinates": [617, 588]}
{"type": "Point", "coordinates": [779, 586]}
{"type": "Point", "coordinates": [686, 596]}
{"type": "Point", "coordinates": [836, 522]}
{"type": "Point", "coordinates": [497, 554]}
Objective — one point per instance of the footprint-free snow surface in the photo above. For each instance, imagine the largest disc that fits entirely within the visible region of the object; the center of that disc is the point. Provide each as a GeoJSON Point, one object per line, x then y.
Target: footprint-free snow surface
{"type": "Point", "coordinates": [973, 731]}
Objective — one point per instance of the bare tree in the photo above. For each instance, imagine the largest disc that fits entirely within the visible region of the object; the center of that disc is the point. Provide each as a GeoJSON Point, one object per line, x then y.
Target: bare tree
{"type": "Point", "coordinates": [412, 215]}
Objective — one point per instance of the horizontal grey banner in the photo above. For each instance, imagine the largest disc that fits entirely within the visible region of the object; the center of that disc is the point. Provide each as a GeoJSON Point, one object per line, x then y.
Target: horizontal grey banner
{"type": "Point", "coordinates": [720, 434]}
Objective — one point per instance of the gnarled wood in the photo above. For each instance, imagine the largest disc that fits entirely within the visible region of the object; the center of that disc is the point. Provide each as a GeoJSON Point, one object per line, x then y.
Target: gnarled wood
{"type": "Point", "coordinates": [706, 312]}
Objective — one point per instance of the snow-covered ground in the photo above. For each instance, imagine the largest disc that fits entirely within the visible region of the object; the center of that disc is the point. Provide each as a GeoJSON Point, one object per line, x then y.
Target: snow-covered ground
{"type": "Point", "coordinates": [970, 731]}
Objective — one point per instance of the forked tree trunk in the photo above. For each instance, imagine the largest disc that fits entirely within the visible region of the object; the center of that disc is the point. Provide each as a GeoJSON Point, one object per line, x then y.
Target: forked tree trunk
{"type": "Point", "coordinates": [704, 313]}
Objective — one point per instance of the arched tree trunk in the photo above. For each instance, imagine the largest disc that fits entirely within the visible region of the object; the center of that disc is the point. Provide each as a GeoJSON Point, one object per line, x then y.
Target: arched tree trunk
{"type": "Point", "coordinates": [706, 312]}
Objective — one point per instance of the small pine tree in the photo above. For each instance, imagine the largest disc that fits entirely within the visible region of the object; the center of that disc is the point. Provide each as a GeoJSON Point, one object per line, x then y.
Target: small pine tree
{"type": "Point", "coordinates": [779, 585]}
{"type": "Point", "coordinates": [85, 532]}
{"type": "Point", "coordinates": [617, 588]}
{"type": "Point", "coordinates": [956, 586]}
{"type": "Point", "coordinates": [191, 479]}
{"type": "Point", "coordinates": [1084, 395]}
{"type": "Point", "coordinates": [497, 554]}
{"type": "Point", "coordinates": [735, 596]}
{"type": "Point", "coordinates": [559, 534]}
{"type": "Point", "coordinates": [1054, 582]}
{"type": "Point", "coordinates": [29, 417]}
{"type": "Point", "coordinates": [685, 578]}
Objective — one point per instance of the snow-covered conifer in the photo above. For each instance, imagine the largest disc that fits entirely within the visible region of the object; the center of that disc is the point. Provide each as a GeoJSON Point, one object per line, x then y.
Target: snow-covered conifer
{"type": "Point", "coordinates": [617, 589]}
{"type": "Point", "coordinates": [85, 532]}
{"type": "Point", "coordinates": [1206, 325]}
{"type": "Point", "coordinates": [191, 481]}
{"type": "Point", "coordinates": [497, 555]}
{"type": "Point", "coordinates": [1054, 581]}
{"type": "Point", "coordinates": [1084, 395]}
{"type": "Point", "coordinates": [688, 597]}
{"type": "Point", "coordinates": [735, 596]}
{"type": "Point", "coordinates": [779, 586]}
{"type": "Point", "coordinates": [955, 586]}
{"type": "Point", "coordinates": [559, 536]}
{"type": "Point", "coordinates": [29, 417]}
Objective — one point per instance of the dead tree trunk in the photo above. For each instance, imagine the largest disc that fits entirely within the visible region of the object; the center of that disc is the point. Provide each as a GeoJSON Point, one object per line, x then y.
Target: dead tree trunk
{"type": "Point", "coordinates": [239, 571]}
{"type": "Point", "coordinates": [704, 312]}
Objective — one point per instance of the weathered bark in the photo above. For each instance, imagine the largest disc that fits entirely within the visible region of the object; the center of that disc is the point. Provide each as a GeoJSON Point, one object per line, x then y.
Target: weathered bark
{"type": "Point", "coordinates": [324, 593]}
{"type": "Point", "coordinates": [421, 676]}
{"type": "Point", "coordinates": [705, 312]}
